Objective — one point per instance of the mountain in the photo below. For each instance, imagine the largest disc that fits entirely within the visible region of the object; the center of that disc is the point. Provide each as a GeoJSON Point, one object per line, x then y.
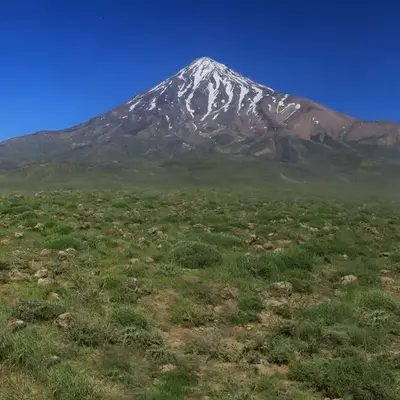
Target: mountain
{"type": "Point", "coordinates": [204, 108]}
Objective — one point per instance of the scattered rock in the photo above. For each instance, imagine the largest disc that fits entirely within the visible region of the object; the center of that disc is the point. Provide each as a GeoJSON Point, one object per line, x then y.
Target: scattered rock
{"type": "Point", "coordinates": [19, 235]}
{"type": "Point", "coordinates": [45, 281]}
{"type": "Point", "coordinates": [5, 241]}
{"type": "Point", "coordinates": [348, 279]}
{"type": "Point", "coordinates": [54, 296]}
{"type": "Point", "coordinates": [198, 226]}
{"type": "Point", "coordinates": [134, 261]}
{"type": "Point", "coordinates": [385, 271]}
{"type": "Point", "coordinates": [64, 320]}
{"type": "Point", "coordinates": [39, 227]}
{"type": "Point", "coordinates": [374, 230]}
{"type": "Point", "coordinates": [278, 250]}
{"type": "Point", "coordinates": [386, 281]}
{"type": "Point", "coordinates": [42, 273]}
{"type": "Point", "coordinates": [268, 246]}
{"type": "Point", "coordinates": [70, 250]}
{"type": "Point", "coordinates": [153, 231]}
{"type": "Point", "coordinates": [168, 368]}
{"type": "Point", "coordinates": [18, 276]}
{"type": "Point", "coordinates": [284, 288]}
{"type": "Point", "coordinates": [149, 260]}
{"type": "Point", "coordinates": [15, 324]}
{"type": "Point", "coordinates": [46, 252]}
{"type": "Point", "coordinates": [258, 247]}
{"type": "Point", "coordinates": [53, 360]}
{"type": "Point", "coordinates": [64, 254]}
{"type": "Point", "coordinates": [345, 257]}
{"type": "Point", "coordinates": [302, 239]}
{"type": "Point", "coordinates": [283, 243]}
{"type": "Point", "coordinates": [84, 226]}
{"type": "Point", "coordinates": [252, 239]}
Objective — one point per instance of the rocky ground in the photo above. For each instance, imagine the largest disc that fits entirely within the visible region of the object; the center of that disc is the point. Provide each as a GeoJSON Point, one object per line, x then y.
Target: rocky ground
{"type": "Point", "coordinates": [198, 295]}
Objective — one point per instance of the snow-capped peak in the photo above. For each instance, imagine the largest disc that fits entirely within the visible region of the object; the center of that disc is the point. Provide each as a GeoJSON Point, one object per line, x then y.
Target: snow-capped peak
{"type": "Point", "coordinates": [224, 90]}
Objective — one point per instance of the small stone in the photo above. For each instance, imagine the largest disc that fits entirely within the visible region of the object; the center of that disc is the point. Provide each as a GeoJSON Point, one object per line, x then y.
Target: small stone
{"type": "Point", "coordinates": [46, 252]}
{"type": "Point", "coordinates": [283, 242]}
{"type": "Point", "coordinates": [153, 230]}
{"type": "Point", "coordinates": [68, 253]}
{"type": "Point", "coordinates": [249, 327]}
{"type": "Point", "coordinates": [386, 281]}
{"type": "Point", "coordinates": [18, 276]}
{"type": "Point", "coordinates": [39, 227]}
{"type": "Point", "coordinates": [348, 279]}
{"type": "Point", "coordinates": [19, 235]}
{"type": "Point", "coordinates": [385, 271]}
{"type": "Point", "coordinates": [149, 260]}
{"type": "Point", "coordinates": [15, 324]}
{"type": "Point", "coordinates": [302, 239]}
{"type": "Point", "coordinates": [84, 226]}
{"type": "Point", "coordinates": [385, 254]}
{"type": "Point", "coordinates": [252, 239]}
{"type": "Point", "coordinates": [5, 241]}
{"type": "Point", "coordinates": [160, 246]}
{"type": "Point", "coordinates": [53, 360]}
{"type": "Point", "coordinates": [268, 246]}
{"type": "Point", "coordinates": [258, 247]}
{"type": "Point", "coordinates": [285, 288]}
{"type": "Point", "coordinates": [42, 273]}
{"type": "Point", "coordinates": [345, 257]}
{"type": "Point", "coordinates": [168, 368]}
{"type": "Point", "coordinates": [64, 320]}
{"type": "Point", "coordinates": [45, 281]}
{"type": "Point", "coordinates": [374, 231]}
{"type": "Point", "coordinates": [54, 296]}
{"type": "Point", "coordinates": [278, 250]}
{"type": "Point", "coordinates": [70, 250]}
{"type": "Point", "coordinates": [134, 261]}
{"type": "Point", "coordinates": [198, 226]}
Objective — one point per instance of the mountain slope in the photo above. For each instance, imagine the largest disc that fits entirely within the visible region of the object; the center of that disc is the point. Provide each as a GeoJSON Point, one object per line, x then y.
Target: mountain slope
{"type": "Point", "coordinates": [206, 107]}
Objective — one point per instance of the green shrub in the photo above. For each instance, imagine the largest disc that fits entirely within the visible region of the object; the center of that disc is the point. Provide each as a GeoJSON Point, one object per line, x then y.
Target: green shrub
{"type": "Point", "coordinates": [91, 333]}
{"type": "Point", "coordinates": [69, 383]}
{"type": "Point", "coordinates": [258, 266]}
{"type": "Point", "coordinates": [149, 341]}
{"type": "Point", "coordinates": [240, 317]}
{"type": "Point", "coordinates": [378, 300]}
{"type": "Point", "coordinates": [280, 351]}
{"type": "Point", "coordinates": [62, 229]}
{"type": "Point", "coordinates": [56, 242]}
{"type": "Point", "coordinates": [250, 302]}
{"type": "Point", "coordinates": [195, 254]}
{"type": "Point", "coordinates": [36, 311]}
{"type": "Point", "coordinates": [350, 377]}
{"type": "Point", "coordinates": [294, 258]}
{"type": "Point", "coordinates": [189, 314]}
{"type": "Point", "coordinates": [126, 315]}
{"type": "Point", "coordinates": [328, 313]}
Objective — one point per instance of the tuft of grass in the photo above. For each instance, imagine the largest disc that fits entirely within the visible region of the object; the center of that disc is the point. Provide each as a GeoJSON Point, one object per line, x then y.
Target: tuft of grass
{"type": "Point", "coordinates": [91, 332]}
{"type": "Point", "coordinates": [348, 377]}
{"type": "Point", "coordinates": [195, 254]}
{"type": "Point", "coordinates": [62, 242]}
{"type": "Point", "coordinates": [69, 383]}
{"type": "Point", "coordinates": [189, 314]}
{"type": "Point", "coordinates": [127, 315]}
{"type": "Point", "coordinates": [36, 311]}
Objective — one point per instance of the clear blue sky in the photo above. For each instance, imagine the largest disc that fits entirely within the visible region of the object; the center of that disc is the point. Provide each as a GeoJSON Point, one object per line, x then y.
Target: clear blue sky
{"type": "Point", "coordinates": [64, 61]}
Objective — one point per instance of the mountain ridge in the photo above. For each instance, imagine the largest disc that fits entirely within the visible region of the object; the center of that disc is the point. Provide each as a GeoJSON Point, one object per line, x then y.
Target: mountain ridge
{"type": "Point", "coordinates": [206, 106]}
